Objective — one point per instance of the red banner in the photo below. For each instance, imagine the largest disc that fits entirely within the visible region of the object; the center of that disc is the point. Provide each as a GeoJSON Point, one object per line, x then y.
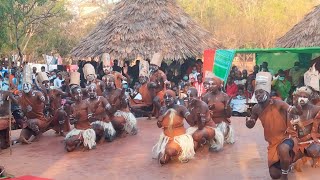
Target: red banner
{"type": "Point", "coordinates": [208, 60]}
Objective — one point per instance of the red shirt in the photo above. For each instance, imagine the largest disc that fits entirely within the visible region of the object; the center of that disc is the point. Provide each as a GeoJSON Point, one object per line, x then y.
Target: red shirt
{"type": "Point", "coordinates": [232, 90]}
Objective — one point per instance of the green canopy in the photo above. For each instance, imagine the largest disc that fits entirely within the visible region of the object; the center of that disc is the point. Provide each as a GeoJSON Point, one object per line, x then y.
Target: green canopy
{"type": "Point", "coordinates": [283, 58]}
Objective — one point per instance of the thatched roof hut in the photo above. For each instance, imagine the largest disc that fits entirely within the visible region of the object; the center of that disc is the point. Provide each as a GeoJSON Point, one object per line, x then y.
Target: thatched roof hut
{"type": "Point", "coordinates": [304, 34]}
{"type": "Point", "coordinates": [144, 27]}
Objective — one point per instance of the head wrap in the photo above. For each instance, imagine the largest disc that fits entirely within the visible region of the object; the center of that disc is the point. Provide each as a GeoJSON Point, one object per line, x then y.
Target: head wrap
{"type": "Point", "coordinates": [42, 76]}
{"type": "Point", "coordinates": [304, 89]}
{"type": "Point", "coordinates": [27, 74]}
{"type": "Point", "coordinates": [209, 75]}
{"type": "Point", "coordinates": [88, 69]}
{"type": "Point", "coordinates": [171, 93]}
{"type": "Point", "coordinates": [144, 68]}
{"type": "Point", "coordinates": [75, 78]}
{"type": "Point", "coordinates": [263, 81]}
{"type": "Point", "coordinates": [157, 59]}
{"type": "Point", "coordinates": [106, 60]}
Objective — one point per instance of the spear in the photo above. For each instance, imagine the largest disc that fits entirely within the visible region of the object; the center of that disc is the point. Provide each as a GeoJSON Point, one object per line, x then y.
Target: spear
{"type": "Point", "coordinates": [10, 113]}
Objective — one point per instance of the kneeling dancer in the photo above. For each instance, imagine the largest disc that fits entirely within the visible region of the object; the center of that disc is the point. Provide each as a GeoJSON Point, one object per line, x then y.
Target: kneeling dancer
{"type": "Point", "coordinates": [273, 116]}
{"type": "Point", "coordinates": [122, 119]}
{"type": "Point", "coordinates": [202, 128]}
{"type": "Point", "coordinates": [82, 132]}
{"type": "Point", "coordinates": [305, 127]}
{"type": "Point", "coordinates": [174, 141]}
{"type": "Point", "coordinates": [219, 106]}
{"type": "Point", "coordinates": [100, 118]}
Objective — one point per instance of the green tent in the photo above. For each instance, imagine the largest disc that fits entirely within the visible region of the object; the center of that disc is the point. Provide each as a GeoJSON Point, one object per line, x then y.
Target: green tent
{"type": "Point", "coordinates": [283, 58]}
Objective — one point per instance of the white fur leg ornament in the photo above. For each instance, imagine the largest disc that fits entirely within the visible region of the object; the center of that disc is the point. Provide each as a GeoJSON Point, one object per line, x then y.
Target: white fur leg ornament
{"type": "Point", "coordinates": [191, 130]}
{"type": "Point", "coordinates": [73, 132]}
{"type": "Point", "coordinates": [108, 127]}
{"type": "Point", "coordinates": [227, 132]}
{"type": "Point", "coordinates": [185, 141]}
{"type": "Point", "coordinates": [160, 147]}
{"type": "Point", "coordinates": [216, 144]}
{"type": "Point", "coordinates": [131, 122]}
{"type": "Point", "coordinates": [89, 138]}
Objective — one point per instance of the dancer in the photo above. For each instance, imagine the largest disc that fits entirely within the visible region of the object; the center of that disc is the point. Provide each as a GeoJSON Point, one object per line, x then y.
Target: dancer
{"type": "Point", "coordinates": [273, 116]}
{"type": "Point", "coordinates": [174, 141]}
{"type": "Point", "coordinates": [202, 129]}
{"type": "Point", "coordinates": [219, 106]}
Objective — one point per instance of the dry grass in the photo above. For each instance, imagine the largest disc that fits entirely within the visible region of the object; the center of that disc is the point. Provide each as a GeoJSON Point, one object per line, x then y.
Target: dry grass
{"type": "Point", "coordinates": [304, 34]}
{"type": "Point", "coordinates": [143, 27]}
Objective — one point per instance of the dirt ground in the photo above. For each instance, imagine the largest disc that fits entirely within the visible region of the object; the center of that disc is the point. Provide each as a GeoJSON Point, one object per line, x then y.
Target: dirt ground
{"type": "Point", "coordinates": [130, 158]}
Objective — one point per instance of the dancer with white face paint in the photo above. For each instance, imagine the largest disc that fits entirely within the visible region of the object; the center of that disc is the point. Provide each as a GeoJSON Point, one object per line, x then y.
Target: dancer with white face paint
{"type": "Point", "coordinates": [101, 112]}
{"type": "Point", "coordinates": [107, 69]}
{"type": "Point", "coordinates": [304, 129]}
{"type": "Point", "coordinates": [219, 106]}
{"type": "Point", "coordinates": [54, 110]}
{"type": "Point", "coordinates": [91, 77]}
{"type": "Point", "coordinates": [82, 134]}
{"type": "Point", "coordinates": [273, 116]}
{"type": "Point", "coordinates": [32, 104]}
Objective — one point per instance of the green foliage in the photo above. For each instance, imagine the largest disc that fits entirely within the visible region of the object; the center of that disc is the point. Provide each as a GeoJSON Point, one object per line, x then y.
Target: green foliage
{"type": "Point", "coordinates": [247, 23]}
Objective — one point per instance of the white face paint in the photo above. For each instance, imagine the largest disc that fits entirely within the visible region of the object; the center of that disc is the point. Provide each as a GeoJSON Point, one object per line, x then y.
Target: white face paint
{"type": "Point", "coordinates": [264, 98]}
{"type": "Point", "coordinates": [302, 101]}
{"type": "Point", "coordinates": [90, 77]}
{"type": "Point", "coordinates": [107, 69]}
{"type": "Point", "coordinates": [26, 87]}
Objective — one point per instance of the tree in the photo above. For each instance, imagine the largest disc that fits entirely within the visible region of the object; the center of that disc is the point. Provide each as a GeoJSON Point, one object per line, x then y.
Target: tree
{"type": "Point", "coordinates": [23, 19]}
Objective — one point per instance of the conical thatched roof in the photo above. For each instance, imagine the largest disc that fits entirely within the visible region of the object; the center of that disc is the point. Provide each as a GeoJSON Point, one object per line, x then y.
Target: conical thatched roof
{"type": "Point", "coordinates": [304, 34]}
{"type": "Point", "coordinates": [144, 27]}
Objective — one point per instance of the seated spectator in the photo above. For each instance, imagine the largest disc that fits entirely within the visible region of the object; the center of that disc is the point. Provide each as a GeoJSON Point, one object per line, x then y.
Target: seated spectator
{"type": "Point", "coordinates": [5, 82]}
{"type": "Point", "coordinates": [116, 67]}
{"type": "Point", "coordinates": [296, 75]}
{"type": "Point", "coordinates": [281, 85]}
{"type": "Point", "coordinates": [251, 80]}
{"type": "Point", "coordinates": [238, 103]}
{"type": "Point", "coordinates": [239, 80]}
{"type": "Point", "coordinates": [231, 88]}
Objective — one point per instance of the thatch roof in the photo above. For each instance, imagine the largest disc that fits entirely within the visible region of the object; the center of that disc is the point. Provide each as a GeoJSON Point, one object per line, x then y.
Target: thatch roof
{"type": "Point", "coordinates": [144, 27]}
{"type": "Point", "coordinates": [304, 34]}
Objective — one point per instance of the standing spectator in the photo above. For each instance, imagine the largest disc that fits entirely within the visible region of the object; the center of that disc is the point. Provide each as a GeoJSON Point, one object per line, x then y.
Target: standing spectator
{"type": "Point", "coordinates": [264, 68]}
{"type": "Point", "coordinates": [5, 82]}
{"type": "Point", "coordinates": [199, 65]}
{"type": "Point", "coordinates": [52, 77]}
{"type": "Point", "coordinates": [43, 69]}
{"type": "Point", "coordinates": [251, 80]}
{"type": "Point", "coordinates": [199, 85]}
{"type": "Point", "coordinates": [135, 71]}
{"type": "Point", "coordinates": [1, 81]}
{"type": "Point", "coordinates": [34, 74]}
{"type": "Point", "coordinates": [231, 88]}
{"type": "Point", "coordinates": [296, 75]}
{"type": "Point", "coordinates": [116, 66]}
{"type": "Point", "coordinates": [57, 83]}
{"type": "Point", "coordinates": [194, 74]}
{"type": "Point", "coordinates": [164, 67]}
{"type": "Point", "coordinates": [238, 103]}
{"type": "Point", "coordinates": [281, 85]}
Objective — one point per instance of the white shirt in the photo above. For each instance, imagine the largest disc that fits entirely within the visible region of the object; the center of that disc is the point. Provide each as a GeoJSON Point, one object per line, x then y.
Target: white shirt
{"type": "Point", "coordinates": [238, 104]}
{"type": "Point", "coordinates": [240, 82]}
{"type": "Point", "coordinates": [57, 83]}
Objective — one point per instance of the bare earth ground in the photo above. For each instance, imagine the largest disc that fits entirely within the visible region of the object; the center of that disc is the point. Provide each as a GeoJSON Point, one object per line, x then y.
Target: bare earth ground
{"type": "Point", "coordinates": [130, 158]}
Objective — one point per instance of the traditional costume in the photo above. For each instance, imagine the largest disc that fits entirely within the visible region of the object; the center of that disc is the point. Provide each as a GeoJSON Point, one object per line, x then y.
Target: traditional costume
{"type": "Point", "coordinates": [91, 77]}
{"type": "Point", "coordinates": [273, 122]}
{"type": "Point", "coordinates": [174, 136]}
{"type": "Point", "coordinates": [305, 132]}
{"type": "Point", "coordinates": [107, 63]}
{"type": "Point", "coordinates": [218, 114]}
